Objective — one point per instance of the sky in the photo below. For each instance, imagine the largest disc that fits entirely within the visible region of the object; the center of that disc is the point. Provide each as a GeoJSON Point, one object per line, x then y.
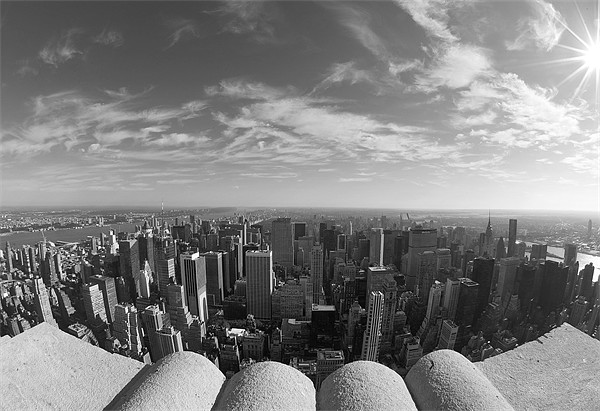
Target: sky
{"type": "Point", "coordinates": [383, 104]}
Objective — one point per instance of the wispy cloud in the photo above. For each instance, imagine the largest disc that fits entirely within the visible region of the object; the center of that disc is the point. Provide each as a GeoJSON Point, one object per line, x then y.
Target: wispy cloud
{"type": "Point", "coordinates": [432, 15]}
{"type": "Point", "coordinates": [251, 18]}
{"type": "Point", "coordinates": [181, 29]}
{"type": "Point", "coordinates": [109, 37]}
{"type": "Point", "coordinates": [344, 73]}
{"type": "Point", "coordinates": [62, 49]}
{"type": "Point", "coordinates": [455, 67]}
{"type": "Point", "coordinates": [354, 180]}
{"type": "Point", "coordinates": [543, 29]}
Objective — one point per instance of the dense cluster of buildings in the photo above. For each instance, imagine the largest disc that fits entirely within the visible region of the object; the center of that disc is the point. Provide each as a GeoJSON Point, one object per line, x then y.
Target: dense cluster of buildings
{"type": "Point", "coordinates": [314, 295]}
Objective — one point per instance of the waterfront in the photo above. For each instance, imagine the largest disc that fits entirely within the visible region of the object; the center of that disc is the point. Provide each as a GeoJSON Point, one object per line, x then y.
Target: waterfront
{"type": "Point", "coordinates": [18, 239]}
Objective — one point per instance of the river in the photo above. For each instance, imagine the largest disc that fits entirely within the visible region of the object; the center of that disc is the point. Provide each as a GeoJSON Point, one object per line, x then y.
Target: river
{"type": "Point", "coordinates": [583, 259]}
{"type": "Point", "coordinates": [20, 238]}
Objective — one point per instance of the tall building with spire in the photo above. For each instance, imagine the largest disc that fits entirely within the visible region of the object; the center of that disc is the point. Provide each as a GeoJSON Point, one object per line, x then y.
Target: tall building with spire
{"type": "Point", "coordinates": [488, 245]}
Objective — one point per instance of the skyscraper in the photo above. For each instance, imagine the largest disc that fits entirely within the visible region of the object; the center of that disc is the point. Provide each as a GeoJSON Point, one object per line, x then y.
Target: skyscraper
{"type": "Point", "coordinates": [166, 274]}
{"type": "Point", "coordinates": [282, 242]}
{"type": "Point", "coordinates": [215, 289]}
{"type": "Point", "coordinates": [512, 237]}
{"type": "Point", "coordinates": [109, 294]}
{"type": "Point", "coordinates": [419, 240]}
{"type": "Point", "coordinates": [42, 302]}
{"type": "Point", "coordinates": [483, 272]}
{"type": "Point", "coordinates": [570, 254]}
{"type": "Point", "coordinates": [259, 283]}
{"type": "Point", "coordinates": [169, 341]}
{"type": "Point", "coordinates": [126, 328]}
{"type": "Point", "coordinates": [506, 277]}
{"type": "Point", "coordinates": [372, 335]}
{"type": "Point", "coordinates": [316, 272]}
{"type": "Point", "coordinates": [193, 277]}
{"type": "Point", "coordinates": [426, 271]}
{"type": "Point", "coordinates": [154, 320]}
{"type": "Point", "coordinates": [93, 301]}
{"type": "Point", "coordinates": [376, 246]}
{"type": "Point", "coordinates": [451, 297]}
{"type": "Point", "coordinates": [129, 264]}
{"type": "Point", "coordinates": [448, 335]}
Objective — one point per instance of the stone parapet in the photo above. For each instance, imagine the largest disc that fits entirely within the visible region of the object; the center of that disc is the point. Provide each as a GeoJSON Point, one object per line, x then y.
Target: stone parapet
{"type": "Point", "coordinates": [45, 368]}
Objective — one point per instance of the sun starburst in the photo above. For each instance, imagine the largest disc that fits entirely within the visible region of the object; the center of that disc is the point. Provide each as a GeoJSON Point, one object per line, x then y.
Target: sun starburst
{"type": "Point", "coordinates": [586, 54]}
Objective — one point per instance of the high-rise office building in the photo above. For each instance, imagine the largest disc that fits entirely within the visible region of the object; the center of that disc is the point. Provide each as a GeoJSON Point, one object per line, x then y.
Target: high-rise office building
{"type": "Point", "coordinates": [512, 237]}
{"type": "Point", "coordinates": [578, 310]}
{"type": "Point", "coordinates": [482, 274]}
{"type": "Point", "coordinates": [282, 242]}
{"type": "Point", "coordinates": [215, 288]}
{"type": "Point", "coordinates": [166, 275]}
{"type": "Point", "coordinates": [426, 272]}
{"type": "Point", "coordinates": [553, 285]}
{"type": "Point", "coordinates": [376, 246]}
{"type": "Point", "coordinates": [539, 251]}
{"type": "Point", "coordinates": [259, 283]}
{"type": "Point", "coordinates": [193, 277]}
{"type": "Point", "coordinates": [448, 335]}
{"type": "Point", "coordinates": [451, 297]}
{"type": "Point", "coordinates": [584, 282]}
{"type": "Point", "coordinates": [506, 277]}
{"type": "Point", "coordinates": [42, 302]}
{"type": "Point", "coordinates": [419, 241]}
{"type": "Point", "coordinates": [109, 294]}
{"type": "Point", "coordinates": [300, 229]}
{"type": "Point", "coordinates": [306, 243]}
{"type": "Point", "coordinates": [390, 294]}
{"type": "Point", "coordinates": [93, 302]}
{"type": "Point", "coordinates": [146, 252]}
{"type": "Point", "coordinates": [129, 264]}
{"type": "Point", "coordinates": [316, 272]}
{"type": "Point", "coordinates": [372, 335]}
{"type": "Point", "coordinates": [570, 254]}
{"type": "Point", "coordinates": [154, 320]}
{"type": "Point", "coordinates": [169, 341]}
{"type": "Point", "coordinates": [126, 327]}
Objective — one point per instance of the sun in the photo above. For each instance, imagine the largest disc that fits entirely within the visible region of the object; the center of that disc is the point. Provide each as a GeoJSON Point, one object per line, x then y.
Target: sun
{"type": "Point", "coordinates": [591, 57]}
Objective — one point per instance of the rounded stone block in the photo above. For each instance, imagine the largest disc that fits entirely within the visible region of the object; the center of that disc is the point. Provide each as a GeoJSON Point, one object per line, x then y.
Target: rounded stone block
{"type": "Point", "coordinates": [363, 385]}
{"type": "Point", "coordinates": [268, 386]}
{"type": "Point", "coordinates": [180, 381]}
{"type": "Point", "coordinates": [446, 380]}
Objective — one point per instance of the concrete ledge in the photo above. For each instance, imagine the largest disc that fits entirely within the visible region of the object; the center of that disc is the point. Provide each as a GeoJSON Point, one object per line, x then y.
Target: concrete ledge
{"type": "Point", "coordinates": [183, 380]}
{"type": "Point", "coordinates": [364, 385]}
{"type": "Point", "coordinates": [558, 371]}
{"type": "Point", "coordinates": [445, 380]}
{"type": "Point", "coordinates": [46, 368]}
{"type": "Point", "coordinates": [268, 386]}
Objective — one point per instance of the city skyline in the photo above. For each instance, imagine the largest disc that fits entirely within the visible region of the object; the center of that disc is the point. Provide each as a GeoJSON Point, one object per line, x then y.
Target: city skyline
{"type": "Point", "coordinates": [358, 104]}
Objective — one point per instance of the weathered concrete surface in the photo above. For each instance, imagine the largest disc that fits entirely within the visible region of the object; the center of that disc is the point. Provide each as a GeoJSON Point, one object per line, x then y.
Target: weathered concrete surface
{"type": "Point", "coordinates": [558, 371]}
{"type": "Point", "coordinates": [364, 385]}
{"type": "Point", "coordinates": [267, 386]}
{"type": "Point", "coordinates": [446, 380]}
{"type": "Point", "coordinates": [46, 368]}
{"type": "Point", "coordinates": [180, 381]}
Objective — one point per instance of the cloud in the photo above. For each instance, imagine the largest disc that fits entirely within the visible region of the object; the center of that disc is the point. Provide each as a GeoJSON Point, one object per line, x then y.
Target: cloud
{"type": "Point", "coordinates": [325, 170]}
{"type": "Point", "coordinates": [178, 139]}
{"type": "Point", "coordinates": [250, 18]}
{"type": "Point", "coordinates": [181, 29]}
{"type": "Point", "coordinates": [432, 15]}
{"type": "Point", "coordinates": [297, 129]}
{"type": "Point", "coordinates": [241, 89]}
{"type": "Point", "coordinates": [455, 67]}
{"type": "Point", "coordinates": [344, 73]}
{"type": "Point", "coordinates": [270, 175]}
{"type": "Point", "coordinates": [70, 120]}
{"type": "Point", "coordinates": [542, 30]}
{"type": "Point", "coordinates": [62, 49]}
{"type": "Point", "coordinates": [355, 180]}
{"type": "Point", "coordinates": [109, 37]}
